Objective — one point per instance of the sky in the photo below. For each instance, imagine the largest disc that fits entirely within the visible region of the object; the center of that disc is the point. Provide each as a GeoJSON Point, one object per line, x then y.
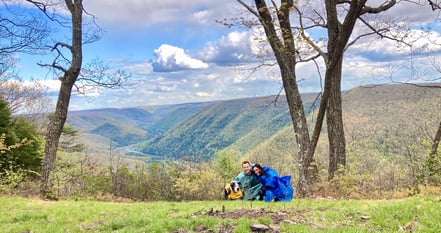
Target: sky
{"type": "Point", "coordinates": [177, 52]}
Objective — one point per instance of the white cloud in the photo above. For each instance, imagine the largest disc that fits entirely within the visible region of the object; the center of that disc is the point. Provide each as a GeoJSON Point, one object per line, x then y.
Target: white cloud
{"type": "Point", "coordinates": [381, 49]}
{"type": "Point", "coordinates": [51, 85]}
{"type": "Point", "coordinates": [418, 11]}
{"type": "Point", "coordinates": [202, 94]}
{"type": "Point", "coordinates": [184, 86]}
{"type": "Point", "coordinates": [224, 65]}
{"type": "Point", "coordinates": [143, 68]}
{"type": "Point", "coordinates": [171, 58]}
{"type": "Point", "coordinates": [234, 48]}
{"type": "Point", "coordinates": [134, 13]}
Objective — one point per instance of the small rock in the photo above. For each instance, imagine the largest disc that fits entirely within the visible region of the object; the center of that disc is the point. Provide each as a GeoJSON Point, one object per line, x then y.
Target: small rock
{"type": "Point", "coordinates": [259, 228]}
{"type": "Point", "coordinates": [289, 221]}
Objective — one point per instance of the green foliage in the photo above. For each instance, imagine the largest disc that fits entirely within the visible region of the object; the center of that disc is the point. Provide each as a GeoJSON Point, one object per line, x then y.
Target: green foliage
{"type": "Point", "coordinates": [220, 125]}
{"type": "Point", "coordinates": [118, 134]}
{"type": "Point", "coordinates": [226, 164]}
{"type": "Point", "coordinates": [30, 154]}
{"type": "Point", "coordinates": [10, 180]}
{"type": "Point", "coordinates": [192, 129]}
{"type": "Point", "coordinates": [3, 147]}
{"type": "Point", "coordinates": [79, 176]}
{"type": "Point", "coordinates": [5, 118]}
{"type": "Point", "coordinates": [431, 169]}
{"type": "Point", "coordinates": [69, 139]}
{"type": "Point", "coordinates": [21, 149]}
{"type": "Point", "coordinates": [198, 184]}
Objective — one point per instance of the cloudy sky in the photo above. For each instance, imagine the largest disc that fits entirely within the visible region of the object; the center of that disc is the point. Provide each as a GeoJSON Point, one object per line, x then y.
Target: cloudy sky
{"type": "Point", "coordinates": [177, 52]}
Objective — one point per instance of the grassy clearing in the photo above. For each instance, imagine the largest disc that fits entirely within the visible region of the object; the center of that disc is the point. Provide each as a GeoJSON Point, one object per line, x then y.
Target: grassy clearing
{"type": "Point", "coordinates": [415, 214]}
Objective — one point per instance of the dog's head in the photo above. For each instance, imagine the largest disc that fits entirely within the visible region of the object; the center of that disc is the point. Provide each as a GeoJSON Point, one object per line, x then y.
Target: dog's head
{"type": "Point", "coordinates": [233, 191]}
{"type": "Point", "coordinates": [235, 186]}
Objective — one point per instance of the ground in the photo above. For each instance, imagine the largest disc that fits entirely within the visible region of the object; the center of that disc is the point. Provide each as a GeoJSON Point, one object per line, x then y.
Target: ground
{"type": "Point", "coordinates": [276, 216]}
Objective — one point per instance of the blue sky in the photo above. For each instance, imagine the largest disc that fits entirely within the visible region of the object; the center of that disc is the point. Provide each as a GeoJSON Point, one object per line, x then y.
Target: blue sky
{"type": "Point", "coordinates": [177, 52]}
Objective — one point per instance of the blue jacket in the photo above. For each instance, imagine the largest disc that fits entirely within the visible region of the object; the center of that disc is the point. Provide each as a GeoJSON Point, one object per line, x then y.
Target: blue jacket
{"type": "Point", "coordinates": [276, 188]}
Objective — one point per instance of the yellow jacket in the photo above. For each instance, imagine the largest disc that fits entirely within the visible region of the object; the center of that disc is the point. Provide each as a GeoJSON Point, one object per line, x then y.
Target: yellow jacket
{"type": "Point", "coordinates": [233, 195]}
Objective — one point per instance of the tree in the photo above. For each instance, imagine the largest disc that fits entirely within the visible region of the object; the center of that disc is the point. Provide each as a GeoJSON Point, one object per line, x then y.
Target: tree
{"type": "Point", "coordinates": [286, 52]}
{"type": "Point", "coordinates": [338, 20]}
{"type": "Point", "coordinates": [339, 33]}
{"type": "Point", "coordinates": [19, 33]}
{"type": "Point", "coordinates": [437, 68]}
{"type": "Point", "coordinates": [436, 140]}
{"type": "Point", "coordinates": [23, 136]}
{"type": "Point", "coordinates": [224, 164]}
{"type": "Point", "coordinates": [69, 70]}
{"type": "Point", "coordinates": [5, 118]}
{"type": "Point", "coordinates": [435, 4]}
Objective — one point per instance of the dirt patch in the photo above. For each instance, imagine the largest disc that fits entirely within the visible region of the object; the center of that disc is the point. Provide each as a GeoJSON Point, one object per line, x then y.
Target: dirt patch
{"type": "Point", "coordinates": [277, 218]}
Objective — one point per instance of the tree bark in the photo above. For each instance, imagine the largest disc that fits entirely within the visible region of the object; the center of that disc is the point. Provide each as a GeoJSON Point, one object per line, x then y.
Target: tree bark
{"type": "Point", "coordinates": [56, 123]}
{"type": "Point", "coordinates": [334, 119]}
{"type": "Point", "coordinates": [285, 52]}
{"type": "Point", "coordinates": [436, 140]}
{"type": "Point", "coordinates": [54, 130]}
{"type": "Point", "coordinates": [338, 37]}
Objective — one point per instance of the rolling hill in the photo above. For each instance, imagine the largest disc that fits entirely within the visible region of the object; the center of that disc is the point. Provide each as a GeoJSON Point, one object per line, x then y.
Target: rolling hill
{"type": "Point", "coordinates": [379, 119]}
{"type": "Point", "coordinates": [191, 129]}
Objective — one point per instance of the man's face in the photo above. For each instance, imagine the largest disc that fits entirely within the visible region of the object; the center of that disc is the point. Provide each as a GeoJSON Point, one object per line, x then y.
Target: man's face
{"type": "Point", "coordinates": [246, 168]}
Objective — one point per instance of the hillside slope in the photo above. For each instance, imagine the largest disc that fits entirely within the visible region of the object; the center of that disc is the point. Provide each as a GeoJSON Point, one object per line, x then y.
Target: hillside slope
{"type": "Point", "coordinates": [218, 126]}
{"type": "Point", "coordinates": [188, 130]}
{"type": "Point", "coordinates": [386, 125]}
{"type": "Point", "coordinates": [379, 120]}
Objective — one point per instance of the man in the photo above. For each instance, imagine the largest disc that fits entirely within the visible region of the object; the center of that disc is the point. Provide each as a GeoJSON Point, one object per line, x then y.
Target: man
{"type": "Point", "coordinates": [249, 182]}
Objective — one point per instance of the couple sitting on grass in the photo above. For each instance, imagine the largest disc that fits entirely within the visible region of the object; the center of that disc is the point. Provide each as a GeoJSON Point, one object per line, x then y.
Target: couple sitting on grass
{"type": "Point", "coordinates": [262, 183]}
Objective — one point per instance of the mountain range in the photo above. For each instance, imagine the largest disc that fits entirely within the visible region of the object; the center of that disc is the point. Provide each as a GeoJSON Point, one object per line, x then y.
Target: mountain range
{"type": "Point", "coordinates": [199, 130]}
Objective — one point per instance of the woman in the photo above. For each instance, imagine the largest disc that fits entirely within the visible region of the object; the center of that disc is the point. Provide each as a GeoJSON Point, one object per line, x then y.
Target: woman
{"type": "Point", "coordinates": [274, 187]}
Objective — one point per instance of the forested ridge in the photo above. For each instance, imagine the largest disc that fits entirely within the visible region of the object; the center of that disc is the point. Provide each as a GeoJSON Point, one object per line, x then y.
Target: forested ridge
{"type": "Point", "coordinates": [173, 131]}
{"type": "Point", "coordinates": [193, 129]}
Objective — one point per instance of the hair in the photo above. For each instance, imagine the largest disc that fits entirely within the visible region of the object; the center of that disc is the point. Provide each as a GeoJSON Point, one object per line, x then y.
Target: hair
{"type": "Point", "coordinates": [245, 162]}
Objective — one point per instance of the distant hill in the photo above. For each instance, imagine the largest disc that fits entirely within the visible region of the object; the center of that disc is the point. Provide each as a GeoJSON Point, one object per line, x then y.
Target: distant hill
{"type": "Point", "coordinates": [378, 120]}
{"type": "Point", "coordinates": [384, 125]}
{"type": "Point", "coordinates": [191, 129]}
{"type": "Point", "coordinates": [122, 126]}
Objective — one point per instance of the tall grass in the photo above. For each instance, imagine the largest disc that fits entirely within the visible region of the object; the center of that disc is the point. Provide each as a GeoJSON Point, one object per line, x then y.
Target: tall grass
{"type": "Point", "coordinates": [415, 214]}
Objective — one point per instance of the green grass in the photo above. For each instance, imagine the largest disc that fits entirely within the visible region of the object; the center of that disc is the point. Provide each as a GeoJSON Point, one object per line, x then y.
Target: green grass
{"type": "Point", "coordinates": [416, 214]}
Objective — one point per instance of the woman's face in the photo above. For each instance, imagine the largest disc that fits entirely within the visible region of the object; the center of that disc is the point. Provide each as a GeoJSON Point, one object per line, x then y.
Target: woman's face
{"type": "Point", "coordinates": [257, 171]}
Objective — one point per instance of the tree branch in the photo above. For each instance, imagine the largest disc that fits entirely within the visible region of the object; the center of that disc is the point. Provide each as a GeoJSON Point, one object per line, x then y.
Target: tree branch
{"type": "Point", "coordinates": [379, 32]}
{"type": "Point", "coordinates": [435, 5]}
{"type": "Point", "coordinates": [375, 10]}
{"type": "Point", "coordinates": [251, 10]}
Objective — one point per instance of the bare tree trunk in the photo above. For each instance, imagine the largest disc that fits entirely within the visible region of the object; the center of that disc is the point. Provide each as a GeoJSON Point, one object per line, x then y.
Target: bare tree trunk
{"type": "Point", "coordinates": [285, 51]}
{"type": "Point", "coordinates": [56, 123]}
{"type": "Point", "coordinates": [55, 128]}
{"type": "Point", "coordinates": [306, 173]}
{"type": "Point", "coordinates": [338, 35]}
{"type": "Point", "coordinates": [334, 119]}
{"type": "Point", "coordinates": [436, 141]}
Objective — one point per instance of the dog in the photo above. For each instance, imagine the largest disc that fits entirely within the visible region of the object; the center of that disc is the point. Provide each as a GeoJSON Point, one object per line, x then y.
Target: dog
{"type": "Point", "coordinates": [233, 191]}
